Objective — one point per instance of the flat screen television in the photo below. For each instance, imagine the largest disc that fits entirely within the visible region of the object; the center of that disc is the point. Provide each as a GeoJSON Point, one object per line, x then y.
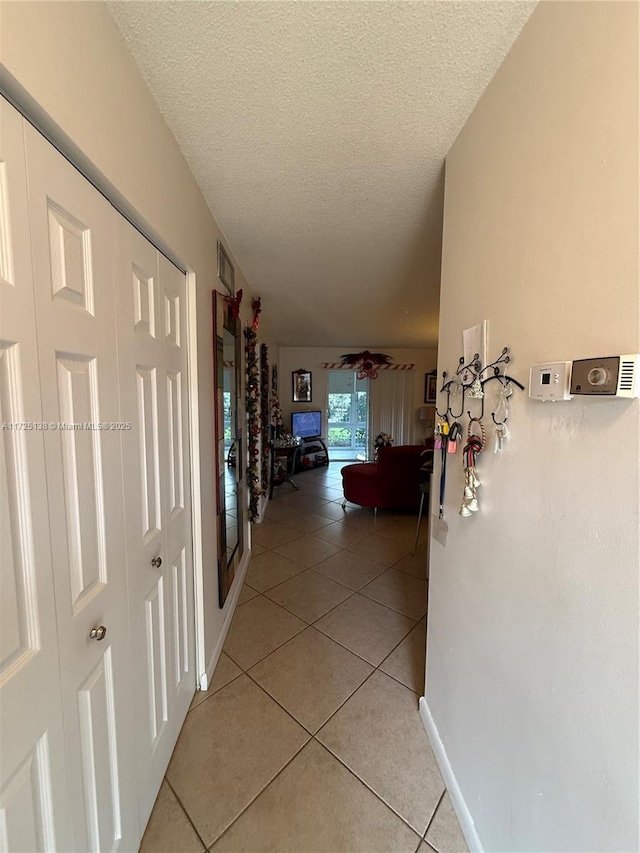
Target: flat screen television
{"type": "Point", "coordinates": [306, 424]}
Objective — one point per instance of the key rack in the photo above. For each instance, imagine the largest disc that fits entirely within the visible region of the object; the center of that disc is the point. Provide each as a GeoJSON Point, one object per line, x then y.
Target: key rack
{"type": "Point", "coordinates": [470, 381]}
{"type": "Point", "coordinates": [467, 375]}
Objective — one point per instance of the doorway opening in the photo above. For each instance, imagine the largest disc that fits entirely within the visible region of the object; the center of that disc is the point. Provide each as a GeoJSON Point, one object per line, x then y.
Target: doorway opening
{"type": "Point", "coordinates": [348, 415]}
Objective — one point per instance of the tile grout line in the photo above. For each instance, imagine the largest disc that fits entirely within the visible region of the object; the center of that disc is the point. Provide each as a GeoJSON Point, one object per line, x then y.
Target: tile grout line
{"type": "Point", "coordinates": [348, 548]}
{"type": "Point", "coordinates": [313, 736]}
{"type": "Point", "coordinates": [375, 666]}
{"type": "Point", "coordinates": [351, 694]}
{"type": "Point", "coordinates": [435, 812]}
{"type": "Point", "coordinates": [279, 704]}
{"type": "Point", "coordinates": [215, 692]}
{"type": "Point", "coordinates": [366, 785]}
{"type": "Point", "coordinates": [306, 625]}
{"type": "Point", "coordinates": [359, 591]}
{"type": "Point", "coordinates": [353, 592]}
{"type": "Point", "coordinates": [297, 634]}
{"type": "Point", "coordinates": [335, 606]}
{"type": "Point", "coordinates": [309, 624]}
{"type": "Point", "coordinates": [337, 642]}
{"type": "Point", "coordinates": [341, 549]}
{"type": "Point", "coordinates": [297, 615]}
{"type": "Point", "coordinates": [186, 813]}
{"type": "Point", "coordinates": [259, 794]}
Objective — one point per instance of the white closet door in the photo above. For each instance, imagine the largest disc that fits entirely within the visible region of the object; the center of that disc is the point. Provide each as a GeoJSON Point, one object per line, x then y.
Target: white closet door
{"type": "Point", "coordinates": [73, 248]}
{"type": "Point", "coordinates": [152, 354]}
{"type": "Point", "coordinates": [34, 802]}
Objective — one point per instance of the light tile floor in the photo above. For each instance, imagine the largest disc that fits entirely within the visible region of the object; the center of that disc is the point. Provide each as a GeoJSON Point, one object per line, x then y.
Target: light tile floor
{"type": "Point", "coordinates": [309, 739]}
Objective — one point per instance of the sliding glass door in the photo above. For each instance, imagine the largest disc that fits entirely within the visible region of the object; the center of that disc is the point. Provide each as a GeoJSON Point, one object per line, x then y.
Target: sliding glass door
{"type": "Point", "coordinates": [348, 415]}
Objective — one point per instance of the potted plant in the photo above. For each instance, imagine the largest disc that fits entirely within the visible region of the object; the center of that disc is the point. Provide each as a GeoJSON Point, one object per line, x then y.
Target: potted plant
{"type": "Point", "coordinates": [383, 439]}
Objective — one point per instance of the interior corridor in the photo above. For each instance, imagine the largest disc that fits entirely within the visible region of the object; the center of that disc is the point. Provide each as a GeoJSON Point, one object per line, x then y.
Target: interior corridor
{"type": "Point", "coordinates": [309, 739]}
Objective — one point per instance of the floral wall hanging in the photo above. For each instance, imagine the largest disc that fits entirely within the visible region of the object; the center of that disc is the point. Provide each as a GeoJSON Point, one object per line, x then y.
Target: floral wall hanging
{"type": "Point", "coordinates": [253, 422]}
{"type": "Point", "coordinates": [256, 308]}
{"type": "Point", "coordinates": [265, 415]}
{"type": "Point", "coordinates": [366, 363]}
{"type": "Point", "coordinates": [276, 410]}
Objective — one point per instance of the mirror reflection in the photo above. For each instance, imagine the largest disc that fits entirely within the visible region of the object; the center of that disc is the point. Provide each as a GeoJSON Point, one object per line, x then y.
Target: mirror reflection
{"type": "Point", "coordinates": [228, 442]}
{"type": "Point", "coordinates": [229, 403]}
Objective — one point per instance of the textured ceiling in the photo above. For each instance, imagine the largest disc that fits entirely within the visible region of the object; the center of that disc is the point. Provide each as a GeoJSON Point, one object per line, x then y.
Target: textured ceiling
{"type": "Point", "coordinates": [317, 132]}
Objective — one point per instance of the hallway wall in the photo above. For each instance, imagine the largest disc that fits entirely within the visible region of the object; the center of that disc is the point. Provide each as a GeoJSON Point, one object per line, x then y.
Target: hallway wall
{"type": "Point", "coordinates": [71, 59]}
{"type": "Point", "coordinates": [532, 652]}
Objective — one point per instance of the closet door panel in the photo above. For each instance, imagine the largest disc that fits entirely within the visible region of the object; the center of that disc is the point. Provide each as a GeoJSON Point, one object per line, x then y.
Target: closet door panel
{"type": "Point", "coordinates": [178, 528]}
{"type": "Point", "coordinates": [152, 363]}
{"type": "Point", "coordinates": [34, 812]}
{"type": "Point", "coordinates": [73, 244]}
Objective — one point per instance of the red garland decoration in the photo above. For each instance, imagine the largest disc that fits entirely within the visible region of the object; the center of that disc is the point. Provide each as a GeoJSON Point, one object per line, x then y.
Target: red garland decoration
{"type": "Point", "coordinates": [256, 308]}
{"type": "Point", "coordinates": [264, 416]}
{"type": "Point", "coordinates": [366, 363]}
{"type": "Point", "coordinates": [253, 418]}
{"type": "Point", "coordinates": [234, 303]}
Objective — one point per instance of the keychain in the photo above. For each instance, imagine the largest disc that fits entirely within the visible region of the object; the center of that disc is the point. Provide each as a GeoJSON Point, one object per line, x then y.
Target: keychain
{"type": "Point", "coordinates": [440, 442]}
{"type": "Point", "coordinates": [502, 430]}
{"type": "Point", "coordinates": [475, 445]}
{"type": "Point", "coordinates": [437, 436]}
{"type": "Point", "coordinates": [455, 435]}
{"type": "Point", "coordinates": [440, 433]}
{"type": "Point", "coordinates": [502, 433]}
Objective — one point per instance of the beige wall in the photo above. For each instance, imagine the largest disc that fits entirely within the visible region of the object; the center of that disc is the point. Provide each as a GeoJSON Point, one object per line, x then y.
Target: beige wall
{"type": "Point", "coordinates": [532, 670]}
{"type": "Point", "coordinates": [71, 59]}
{"type": "Point", "coordinates": [293, 358]}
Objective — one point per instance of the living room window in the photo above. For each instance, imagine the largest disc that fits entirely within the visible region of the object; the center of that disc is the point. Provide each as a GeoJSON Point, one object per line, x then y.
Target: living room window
{"type": "Point", "coordinates": [348, 414]}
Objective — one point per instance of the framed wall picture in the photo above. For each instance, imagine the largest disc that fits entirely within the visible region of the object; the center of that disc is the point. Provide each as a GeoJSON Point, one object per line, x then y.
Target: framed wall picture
{"type": "Point", "coordinates": [301, 381]}
{"type": "Point", "coordinates": [226, 272]}
{"type": "Point", "coordinates": [430, 387]}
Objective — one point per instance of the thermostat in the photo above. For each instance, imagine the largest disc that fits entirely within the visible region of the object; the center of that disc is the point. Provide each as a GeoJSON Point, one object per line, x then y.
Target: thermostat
{"type": "Point", "coordinates": [613, 376]}
{"type": "Point", "coordinates": [550, 381]}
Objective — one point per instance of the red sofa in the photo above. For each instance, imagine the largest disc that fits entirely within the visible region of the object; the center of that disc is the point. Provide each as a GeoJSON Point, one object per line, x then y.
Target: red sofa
{"type": "Point", "coordinates": [393, 482]}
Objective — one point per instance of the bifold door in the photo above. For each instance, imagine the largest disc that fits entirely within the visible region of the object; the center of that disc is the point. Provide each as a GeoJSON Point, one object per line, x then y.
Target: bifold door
{"type": "Point", "coordinates": [97, 656]}
{"type": "Point", "coordinates": [152, 348]}
{"type": "Point", "coordinates": [73, 243]}
{"type": "Point", "coordinates": [34, 798]}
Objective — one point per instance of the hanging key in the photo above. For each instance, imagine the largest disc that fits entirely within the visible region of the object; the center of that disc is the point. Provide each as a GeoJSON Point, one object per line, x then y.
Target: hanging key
{"type": "Point", "coordinates": [502, 433]}
{"type": "Point", "coordinates": [453, 438]}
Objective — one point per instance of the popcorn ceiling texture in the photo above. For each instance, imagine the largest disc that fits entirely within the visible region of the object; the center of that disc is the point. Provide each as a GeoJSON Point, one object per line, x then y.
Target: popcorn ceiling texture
{"type": "Point", "coordinates": [317, 132]}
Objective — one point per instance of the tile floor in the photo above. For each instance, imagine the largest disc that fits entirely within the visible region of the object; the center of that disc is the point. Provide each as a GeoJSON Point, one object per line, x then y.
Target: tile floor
{"type": "Point", "coordinates": [309, 739]}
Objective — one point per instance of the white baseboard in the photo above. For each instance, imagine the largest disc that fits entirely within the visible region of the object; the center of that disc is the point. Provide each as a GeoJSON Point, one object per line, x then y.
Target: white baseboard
{"type": "Point", "coordinates": [205, 678]}
{"type": "Point", "coordinates": [455, 794]}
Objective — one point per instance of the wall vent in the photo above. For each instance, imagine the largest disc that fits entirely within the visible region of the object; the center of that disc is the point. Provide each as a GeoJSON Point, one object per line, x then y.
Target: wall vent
{"type": "Point", "coordinates": [627, 370]}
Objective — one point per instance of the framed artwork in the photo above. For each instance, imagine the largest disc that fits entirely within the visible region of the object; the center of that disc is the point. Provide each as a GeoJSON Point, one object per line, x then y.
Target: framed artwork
{"type": "Point", "coordinates": [430, 387]}
{"type": "Point", "coordinates": [226, 272]}
{"type": "Point", "coordinates": [301, 380]}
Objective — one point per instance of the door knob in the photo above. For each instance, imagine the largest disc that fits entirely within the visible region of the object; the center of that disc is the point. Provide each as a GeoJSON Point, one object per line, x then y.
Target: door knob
{"type": "Point", "coordinates": [156, 562]}
{"type": "Point", "coordinates": [97, 633]}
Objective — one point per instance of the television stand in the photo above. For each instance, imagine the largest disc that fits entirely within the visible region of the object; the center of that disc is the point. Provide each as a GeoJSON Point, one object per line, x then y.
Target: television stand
{"type": "Point", "coordinates": [283, 465]}
{"type": "Point", "coordinates": [312, 453]}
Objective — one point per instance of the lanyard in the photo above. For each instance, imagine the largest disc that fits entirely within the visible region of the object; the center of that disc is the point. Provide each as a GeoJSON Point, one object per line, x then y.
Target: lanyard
{"type": "Point", "coordinates": [448, 437]}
